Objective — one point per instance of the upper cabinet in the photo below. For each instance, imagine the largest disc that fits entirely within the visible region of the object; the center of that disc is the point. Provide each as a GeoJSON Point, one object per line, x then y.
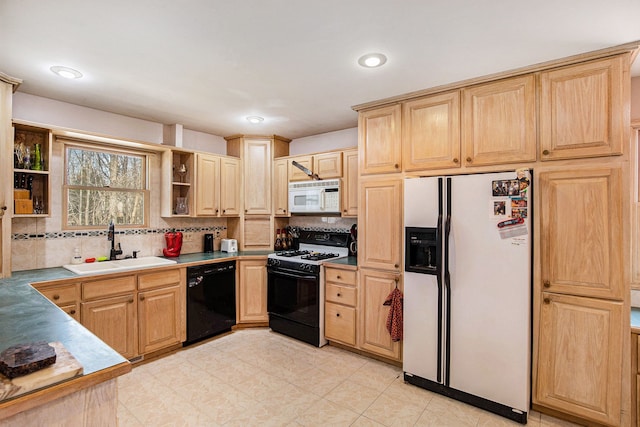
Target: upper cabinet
{"type": "Point", "coordinates": [31, 183]}
{"type": "Point", "coordinates": [177, 178]}
{"type": "Point", "coordinates": [328, 165]}
{"type": "Point", "coordinates": [280, 187]}
{"type": "Point", "coordinates": [350, 183]}
{"type": "Point", "coordinates": [230, 176]}
{"type": "Point", "coordinates": [582, 109]}
{"type": "Point", "coordinates": [379, 140]}
{"type": "Point", "coordinates": [208, 185]}
{"type": "Point", "coordinates": [257, 176]}
{"type": "Point", "coordinates": [295, 173]}
{"type": "Point", "coordinates": [431, 132]}
{"type": "Point", "coordinates": [499, 122]}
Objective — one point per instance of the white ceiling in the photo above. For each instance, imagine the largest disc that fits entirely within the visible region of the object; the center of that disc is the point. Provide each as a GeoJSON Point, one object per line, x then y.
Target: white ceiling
{"type": "Point", "coordinates": [207, 64]}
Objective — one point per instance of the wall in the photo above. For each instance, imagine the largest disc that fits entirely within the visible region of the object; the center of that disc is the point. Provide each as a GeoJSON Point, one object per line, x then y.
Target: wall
{"type": "Point", "coordinates": [635, 98]}
{"type": "Point", "coordinates": [347, 138]}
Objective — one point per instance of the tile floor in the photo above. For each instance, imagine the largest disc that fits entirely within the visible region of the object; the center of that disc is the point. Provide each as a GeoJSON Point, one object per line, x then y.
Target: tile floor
{"type": "Point", "coordinates": [255, 377]}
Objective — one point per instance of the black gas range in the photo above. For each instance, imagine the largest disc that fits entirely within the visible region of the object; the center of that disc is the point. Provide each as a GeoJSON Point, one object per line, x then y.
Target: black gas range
{"type": "Point", "coordinates": [295, 293]}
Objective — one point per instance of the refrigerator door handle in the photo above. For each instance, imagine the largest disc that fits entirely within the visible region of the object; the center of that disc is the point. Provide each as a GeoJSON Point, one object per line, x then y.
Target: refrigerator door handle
{"type": "Point", "coordinates": [447, 287]}
{"type": "Point", "coordinates": [439, 283]}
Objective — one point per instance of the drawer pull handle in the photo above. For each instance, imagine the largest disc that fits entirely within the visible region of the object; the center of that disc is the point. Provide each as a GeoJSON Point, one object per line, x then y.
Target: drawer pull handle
{"type": "Point", "coordinates": [56, 297]}
{"type": "Point", "coordinates": [546, 284]}
{"type": "Point", "coordinates": [72, 312]}
{"type": "Point", "coordinates": [546, 300]}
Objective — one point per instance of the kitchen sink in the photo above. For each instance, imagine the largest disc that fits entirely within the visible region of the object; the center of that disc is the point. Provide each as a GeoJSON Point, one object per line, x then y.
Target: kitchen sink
{"type": "Point", "coordinates": [118, 265]}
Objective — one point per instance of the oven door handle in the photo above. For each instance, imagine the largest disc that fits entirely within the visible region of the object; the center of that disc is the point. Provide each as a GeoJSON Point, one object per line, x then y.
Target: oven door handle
{"type": "Point", "coordinates": [292, 275]}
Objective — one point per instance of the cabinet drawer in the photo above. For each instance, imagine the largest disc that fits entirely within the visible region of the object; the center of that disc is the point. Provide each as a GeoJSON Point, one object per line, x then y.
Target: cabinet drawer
{"type": "Point", "coordinates": [161, 278]}
{"type": "Point", "coordinates": [341, 294]}
{"type": "Point", "coordinates": [340, 323]}
{"type": "Point", "coordinates": [342, 276]}
{"type": "Point", "coordinates": [106, 287]}
{"type": "Point", "coordinates": [638, 352]}
{"type": "Point", "coordinates": [72, 310]}
{"type": "Point", "coordinates": [61, 295]}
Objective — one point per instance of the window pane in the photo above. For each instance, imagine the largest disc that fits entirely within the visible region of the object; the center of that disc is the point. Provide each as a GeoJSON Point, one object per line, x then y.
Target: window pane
{"type": "Point", "coordinates": [88, 207]}
{"type": "Point", "coordinates": [104, 169]}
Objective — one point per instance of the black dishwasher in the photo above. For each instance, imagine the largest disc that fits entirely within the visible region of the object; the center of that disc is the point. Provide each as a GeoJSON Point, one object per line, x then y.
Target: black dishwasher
{"type": "Point", "coordinates": [211, 300]}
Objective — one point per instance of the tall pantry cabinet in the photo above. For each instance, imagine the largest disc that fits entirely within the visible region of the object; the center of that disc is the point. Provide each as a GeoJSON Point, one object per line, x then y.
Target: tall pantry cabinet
{"type": "Point", "coordinates": [568, 120]}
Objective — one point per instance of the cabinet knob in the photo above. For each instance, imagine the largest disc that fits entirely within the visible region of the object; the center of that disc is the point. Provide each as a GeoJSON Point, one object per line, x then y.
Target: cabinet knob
{"type": "Point", "coordinates": [545, 152]}
{"type": "Point", "coordinates": [141, 297]}
{"type": "Point", "coordinates": [338, 294]}
{"type": "Point", "coordinates": [56, 297]}
{"type": "Point", "coordinates": [469, 160]}
{"type": "Point", "coordinates": [455, 160]}
{"type": "Point", "coordinates": [546, 300]}
{"type": "Point", "coordinates": [546, 284]}
{"type": "Point", "coordinates": [246, 210]}
{"type": "Point", "coordinates": [344, 210]}
{"type": "Point", "coordinates": [337, 314]}
{"type": "Point", "coordinates": [338, 277]}
{"type": "Point", "coordinates": [72, 311]}
{"type": "Point", "coordinates": [218, 210]}
{"type": "Point", "coordinates": [223, 211]}
{"type": "Point", "coordinates": [396, 166]}
{"type": "Point", "coordinates": [396, 265]}
{"type": "Point", "coordinates": [130, 301]}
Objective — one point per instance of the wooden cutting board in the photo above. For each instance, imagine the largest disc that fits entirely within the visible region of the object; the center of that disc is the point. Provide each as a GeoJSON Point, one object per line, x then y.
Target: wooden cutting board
{"type": "Point", "coordinates": [66, 367]}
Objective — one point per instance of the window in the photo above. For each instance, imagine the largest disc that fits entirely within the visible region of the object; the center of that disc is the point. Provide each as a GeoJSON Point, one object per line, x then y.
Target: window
{"type": "Point", "coordinates": [104, 185]}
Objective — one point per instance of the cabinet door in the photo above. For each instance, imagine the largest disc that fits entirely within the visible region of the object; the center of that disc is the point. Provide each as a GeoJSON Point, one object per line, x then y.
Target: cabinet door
{"type": "Point", "coordinates": [350, 183]}
{"type": "Point", "coordinates": [295, 174]}
{"type": "Point", "coordinates": [499, 122]}
{"type": "Point", "coordinates": [431, 132]}
{"type": "Point", "coordinates": [159, 318]}
{"type": "Point", "coordinates": [253, 291]}
{"type": "Point", "coordinates": [207, 185]}
{"type": "Point", "coordinates": [379, 136]}
{"type": "Point", "coordinates": [113, 320]}
{"type": "Point", "coordinates": [374, 337]}
{"type": "Point", "coordinates": [380, 224]}
{"type": "Point", "coordinates": [580, 357]}
{"type": "Point", "coordinates": [257, 176]}
{"type": "Point", "coordinates": [583, 112]}
{"type": "Point", "coordinates": [229, 186]}
{"type": "Point", "coordinates": [340, 323]}
{"type": "Point", "coordinates": [280, 187]}
{"type": "Point", "coordinates": [581, 232]}
{"type": "Point", "coordinates": [328, 165]}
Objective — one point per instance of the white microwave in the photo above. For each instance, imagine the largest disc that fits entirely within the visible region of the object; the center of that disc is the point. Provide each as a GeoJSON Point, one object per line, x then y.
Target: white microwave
{"type": "Point", "coordinates": [315, 197]}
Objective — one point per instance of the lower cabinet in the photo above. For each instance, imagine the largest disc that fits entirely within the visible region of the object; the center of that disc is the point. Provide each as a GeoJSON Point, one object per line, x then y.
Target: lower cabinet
{"type": "Point", "coordinates": [580, 357]}
{"type": "Point", "coordinates": [635, 380]}
{"type": "Point", "coordinates": [113, 320]}
{"type": "Point", "coordinates": [67, 297]}
{"type": "Point", "coordinates": [374, 337]}
{"type": "Point", "coordinates": [137, 314]}
{"type": "Point", "coordinates": [252, 291]}
{"type": "Point", "coordinates": [340, 305]}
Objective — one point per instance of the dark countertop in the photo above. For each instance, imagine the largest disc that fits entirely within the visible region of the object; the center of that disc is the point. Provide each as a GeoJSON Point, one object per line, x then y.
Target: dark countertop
{"type": "Point", "coordinates": [350, 261]}
{"type": "Point", "coordinates": [27, 316]}
{"type": "Point", "coordinates": [635, 320]}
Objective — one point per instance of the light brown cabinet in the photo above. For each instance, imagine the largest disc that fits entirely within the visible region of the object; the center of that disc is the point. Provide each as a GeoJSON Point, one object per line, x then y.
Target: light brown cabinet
{"type": "Point", "coordinates": [252, 291]}
{"type": "Point", "coordinates": [217, 185]}
{"type": "Point", "coordinates": [295, 174]}
{"type": "Point", "coordinates": [230, 175]}
{"type": "Point", "coordinates": [177, 182]}
{"type": "Point", "coordinates": [431, 132]}
{"type": "Point", "coordinates": [66, 296]}
{"type": "Point", "coordinates": [635, 379]}
{"type": "Point", "coordinates": [374, 337]}
{"type": "Point", "coordinates": [499, 122]}
{"type": "Point", "coordinates": [380, 220]}
{"type": "Point", "coordinates": [581, 235]}
{"type": "Point", "coordinates": [350, 183]}
{"type": "Point", "coordinates": [113, 320]}
{"type": "Point", "coordinates": [161, 312]}
{"type": "Point", "coordinates": [328, 165]}
{"type": "Point", "coordinates": [340, 305]}
{"type": "Point", "coordinates": [281, 187]}
{"type": "Point", "coordinates": [34, 203]}
{"type": "Point", "coordinates": [257, 176]}
{"type": "Point", "coordinates": [379, 140]}
{"type": "Point", "coordinates": [580, 357]}
{"type": "Point", "coordinates": [584, 108]}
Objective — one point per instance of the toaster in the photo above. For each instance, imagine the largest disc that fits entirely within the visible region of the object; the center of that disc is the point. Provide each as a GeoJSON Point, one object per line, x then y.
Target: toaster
{"type": "Point", "coordinates": [229, 245]}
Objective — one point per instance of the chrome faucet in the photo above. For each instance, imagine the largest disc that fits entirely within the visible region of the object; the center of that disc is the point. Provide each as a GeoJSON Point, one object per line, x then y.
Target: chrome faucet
{"type": "Point", "coordinates": [111, 237]}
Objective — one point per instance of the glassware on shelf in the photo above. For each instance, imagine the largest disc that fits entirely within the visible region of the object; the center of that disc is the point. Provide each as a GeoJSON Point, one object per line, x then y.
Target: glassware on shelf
{"type": "Point", "coordinates": [26, 159]}
{"type": "Point", "coordinates": [182, 171]}
{"type": "Point", "coordinates": [37, 158]}
{"type": "Point", "coordinates": [181, 206]}
{"type": "Point", "coordinates": [38, 205]}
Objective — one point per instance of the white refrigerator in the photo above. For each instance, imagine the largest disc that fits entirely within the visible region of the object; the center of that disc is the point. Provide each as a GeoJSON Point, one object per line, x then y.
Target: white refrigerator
{"type": "Point", "coordinates": [467, 289]}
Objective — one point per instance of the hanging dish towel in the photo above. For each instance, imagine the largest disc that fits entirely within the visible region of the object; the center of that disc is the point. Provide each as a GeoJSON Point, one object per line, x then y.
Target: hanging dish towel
{"type": "Point", "coordinates": [394, 319]}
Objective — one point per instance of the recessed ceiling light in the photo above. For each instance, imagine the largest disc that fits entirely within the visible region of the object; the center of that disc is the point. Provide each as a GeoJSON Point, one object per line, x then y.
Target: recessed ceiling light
{"type": "Point", "coordinates": [255, 119]}
{"type": "Point", "coordinates": [66, 72]}
{"type": "Point", "coordinates": [372, 60]}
